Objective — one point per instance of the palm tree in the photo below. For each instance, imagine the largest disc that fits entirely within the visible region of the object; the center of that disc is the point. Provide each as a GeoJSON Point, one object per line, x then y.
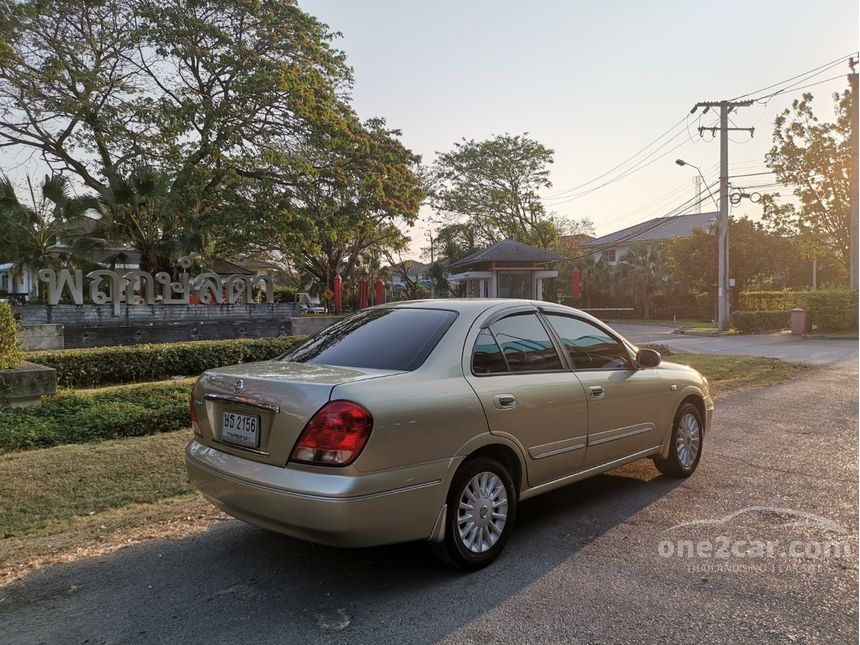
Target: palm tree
{"type": "Point", "coordinates": [141, 210]}
{"type": "Point", "coordinates": [45, 232]}
{"type": "Point", "coordinates": [438, 271]}
{"type": "Point", "coordinates": [644, 267]}
{"type": "Point", "coordinates": [595, 276]}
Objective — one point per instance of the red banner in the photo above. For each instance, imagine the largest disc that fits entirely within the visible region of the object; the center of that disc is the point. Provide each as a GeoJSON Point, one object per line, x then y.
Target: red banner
{"type": "Point", "coordinates": [380, 292]}
{"type": "Point", "coordinates": [362, 293]}
{"type": "Point", "coordinates": [338, 293]}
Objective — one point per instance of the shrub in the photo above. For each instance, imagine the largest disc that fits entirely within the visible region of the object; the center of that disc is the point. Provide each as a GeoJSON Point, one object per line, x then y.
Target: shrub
{"type": "Point", "coordinates": [128, 364]}
{"type": "Point", "coordinates": [750, 321]}
{"type": "Point", "coordinates": [831, 309]}
{"type": "Point", "coordinates": [10, 353]}
{"type": "Point", "coordinates": [285, 294]}
{"type": "Point", "coordinates": [80, 417]}
{"type": "Point", "coordinates": [768, 300]}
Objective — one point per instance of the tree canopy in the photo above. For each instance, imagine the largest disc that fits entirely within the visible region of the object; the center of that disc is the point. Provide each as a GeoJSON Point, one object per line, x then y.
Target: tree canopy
{"type": "Point", "coordinates": [240, 109]}
{"type": "Point", "coordinates": [813, 157]}
{"type": "Point", "coordinates": [494, 185]}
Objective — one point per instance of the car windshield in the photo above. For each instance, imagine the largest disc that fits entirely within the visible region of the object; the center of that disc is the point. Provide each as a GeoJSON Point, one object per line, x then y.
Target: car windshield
{"type": "Point", "coordinates": [387, 339]}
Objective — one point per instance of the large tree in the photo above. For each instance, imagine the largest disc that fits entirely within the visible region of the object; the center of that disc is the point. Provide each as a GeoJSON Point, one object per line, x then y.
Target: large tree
{"type": "Point", "coordinates": [239, 108]}
{"type": "Point", "coordinates": [349, 215]}
{"type": "Point", "coordinates": [493, 185]}
{"type": "Point", "coordinates": [813, 157]}
{"type": "Point", "coordinates": [756, 254]}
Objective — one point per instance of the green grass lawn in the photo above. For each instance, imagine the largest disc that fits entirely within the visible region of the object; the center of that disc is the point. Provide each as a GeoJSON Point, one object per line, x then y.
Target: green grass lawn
{"type": "Point", "coordinates": [731, 373]}
{"type": "Point", "coordinates": [41, 490]}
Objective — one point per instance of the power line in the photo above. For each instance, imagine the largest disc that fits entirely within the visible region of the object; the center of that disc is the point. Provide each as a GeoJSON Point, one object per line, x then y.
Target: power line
{"type": "Point", "coordinates": [766, 99]}
{"type": "Point", "coordinates": [675, 212]}
{"type": "Point", "coordinates": [630, 158]}
{"type": "Point", "coordinates": [810, 73]}
{"type": "Point", "coordinates": [643, 163]}
{"type": "Point", "coordinates": [639, 162]}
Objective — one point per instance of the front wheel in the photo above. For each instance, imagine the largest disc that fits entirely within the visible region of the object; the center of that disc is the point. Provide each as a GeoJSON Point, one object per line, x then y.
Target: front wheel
{"type": "Point", "coordinates": [685, 444]}
{"type": "Point", "coordinates": [482, 504]}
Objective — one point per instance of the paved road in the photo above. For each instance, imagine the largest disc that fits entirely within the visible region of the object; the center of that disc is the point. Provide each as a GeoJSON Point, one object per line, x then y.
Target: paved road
{"type": "Point", "coordinates": [784, 346]}
{"type": "Point", "coordinates": [595, 562]}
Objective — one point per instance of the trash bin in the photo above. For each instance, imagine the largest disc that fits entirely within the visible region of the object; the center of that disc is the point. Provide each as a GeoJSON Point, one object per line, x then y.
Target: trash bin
{"type": "Point", "coordinates": [799, 322]}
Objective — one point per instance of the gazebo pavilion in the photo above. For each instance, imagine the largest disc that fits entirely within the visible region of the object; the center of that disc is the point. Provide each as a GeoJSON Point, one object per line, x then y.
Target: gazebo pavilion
{"type": "Point", "coordinates": [507, 269]}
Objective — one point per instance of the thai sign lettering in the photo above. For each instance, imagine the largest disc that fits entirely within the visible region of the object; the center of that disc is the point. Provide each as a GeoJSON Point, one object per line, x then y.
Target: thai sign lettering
{"type": "Point", "coordinates": [142, 288]}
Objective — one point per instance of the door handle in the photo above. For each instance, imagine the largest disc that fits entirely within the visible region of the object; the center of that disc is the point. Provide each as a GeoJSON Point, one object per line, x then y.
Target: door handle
{"type": "Point", "coordinates": [596, 392]}
{"type": "Point", "coordinates": [505, 401]}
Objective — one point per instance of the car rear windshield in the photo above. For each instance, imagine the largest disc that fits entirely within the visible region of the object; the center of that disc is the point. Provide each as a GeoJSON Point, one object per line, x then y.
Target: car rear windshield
{"type": "Point", "coordinates": [386, 339]}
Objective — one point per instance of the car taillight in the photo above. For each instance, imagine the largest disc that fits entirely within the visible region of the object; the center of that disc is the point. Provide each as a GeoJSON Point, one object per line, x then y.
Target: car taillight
{"type": "Point", "coordinates": [195, 427]}
{"type": "Point", "coordinates": [334, 436]}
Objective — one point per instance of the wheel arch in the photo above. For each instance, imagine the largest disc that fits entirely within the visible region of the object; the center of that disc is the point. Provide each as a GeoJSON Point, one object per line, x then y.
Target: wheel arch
{"type": "Point", "coordinates": [696, 399]}
{"type": "Point", "coordinates": [501, 449]}
{"type": "Point", "coordinates": [689, 395]}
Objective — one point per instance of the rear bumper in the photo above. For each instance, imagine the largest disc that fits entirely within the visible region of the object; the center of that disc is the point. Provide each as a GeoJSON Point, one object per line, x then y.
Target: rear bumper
{"type": "Point", "coordinates": [321, 507]}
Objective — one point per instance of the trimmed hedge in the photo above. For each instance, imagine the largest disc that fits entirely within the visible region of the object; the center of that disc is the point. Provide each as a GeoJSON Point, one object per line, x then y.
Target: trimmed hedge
{"type": "Point", "coordinates": [10, 354]}
{"type": "Point", "coordinates": [81, 417]}
{"type": "Point", "coordinates": [748, 321]}
{"type": "Point", "coordinates": [829, 309]}
{"type": "Point", "coordinates": [768, 300]}
{"type": "Point", "coordinates": [96, 366]}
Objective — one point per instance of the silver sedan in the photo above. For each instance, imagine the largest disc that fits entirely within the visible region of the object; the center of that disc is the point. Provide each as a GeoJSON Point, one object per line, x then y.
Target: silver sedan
{"type": "Point", "coordinates": [431, 420]}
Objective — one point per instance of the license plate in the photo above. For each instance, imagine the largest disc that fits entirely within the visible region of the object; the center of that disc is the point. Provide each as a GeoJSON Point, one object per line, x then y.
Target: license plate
{"type": "Point", "coordinates": [241, 429]}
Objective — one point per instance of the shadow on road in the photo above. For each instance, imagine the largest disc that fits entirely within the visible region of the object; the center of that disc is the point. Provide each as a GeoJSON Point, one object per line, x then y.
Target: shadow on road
{"type": "Point", "coordinates": [237, 583]}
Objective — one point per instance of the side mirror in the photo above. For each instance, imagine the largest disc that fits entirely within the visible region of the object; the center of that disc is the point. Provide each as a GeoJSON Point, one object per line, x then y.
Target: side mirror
{"type": "Point", "coordinates": [648, 358]}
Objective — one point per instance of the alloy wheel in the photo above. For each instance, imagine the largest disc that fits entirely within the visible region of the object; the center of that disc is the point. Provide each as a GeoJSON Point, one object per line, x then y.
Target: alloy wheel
{"type": "Point", "coordinates": [689, 439]}
{"type": "Point", "coordinates": [483, 511]}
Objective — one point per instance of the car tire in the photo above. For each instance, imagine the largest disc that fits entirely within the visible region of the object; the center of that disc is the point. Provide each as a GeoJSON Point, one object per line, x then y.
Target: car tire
{"type": "Point", "coordinates": [474, 538]}
{"type": "Point", "coordinates": [685, 444]}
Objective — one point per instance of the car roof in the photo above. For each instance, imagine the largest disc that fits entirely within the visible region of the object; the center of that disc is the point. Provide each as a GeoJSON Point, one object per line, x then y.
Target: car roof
{"type": "Point", "coordinates": [475, 306]}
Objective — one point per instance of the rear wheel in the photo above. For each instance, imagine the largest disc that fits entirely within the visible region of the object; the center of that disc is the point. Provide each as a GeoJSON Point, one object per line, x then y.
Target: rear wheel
{"type": "Point", "coordinates": [482, 503]}
{"type": "Point", "coordinates": [685, 445]}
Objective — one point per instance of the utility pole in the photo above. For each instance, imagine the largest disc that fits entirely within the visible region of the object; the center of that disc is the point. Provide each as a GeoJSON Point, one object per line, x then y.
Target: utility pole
{"type": "Point", "coordinates": [428, 235]}
{"type": "Point", "coordinates": [724, 129]}
{"type": "Point", "coordinates": [852, 177]}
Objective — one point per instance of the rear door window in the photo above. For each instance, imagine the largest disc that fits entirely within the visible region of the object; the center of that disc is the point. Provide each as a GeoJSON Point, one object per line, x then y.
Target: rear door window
{"type": "Point", "coordinates": [487, 358]}
{"type": "Point", "coordinates": [386, 339]}
{"type": "Point", "coordinates": [524, 343]}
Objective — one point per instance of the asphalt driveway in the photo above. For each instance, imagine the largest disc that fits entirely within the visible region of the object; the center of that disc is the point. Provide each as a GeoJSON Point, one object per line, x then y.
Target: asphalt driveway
{"type": "Point", "coordinates": [604, 560]}
{"type": "Point", "coordinates": [782, 345]}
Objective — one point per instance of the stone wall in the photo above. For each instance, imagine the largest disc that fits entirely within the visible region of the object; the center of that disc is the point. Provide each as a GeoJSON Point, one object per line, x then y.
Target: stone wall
{"type": "Point", "coordinates": [309, 325]}
{"type": "Point", "coordinates": [95, 325]}
{"type": "Point", "coordinates": [40, 336]}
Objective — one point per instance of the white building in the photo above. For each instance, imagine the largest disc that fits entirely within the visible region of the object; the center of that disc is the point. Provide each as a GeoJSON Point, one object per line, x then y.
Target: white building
{"type": "Point", "coordinates": [615, 245]}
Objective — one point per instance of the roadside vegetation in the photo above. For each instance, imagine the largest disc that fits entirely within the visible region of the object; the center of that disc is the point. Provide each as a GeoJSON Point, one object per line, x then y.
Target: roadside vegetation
{"type": "Point", "coordinates": [89, 367]}
{"type": "Point", "coordinates": [83, 416]}
{"type": "Point", "coordinates": [727, 374]}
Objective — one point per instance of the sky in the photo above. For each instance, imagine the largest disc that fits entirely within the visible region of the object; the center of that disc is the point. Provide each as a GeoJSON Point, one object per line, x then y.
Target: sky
{"type": "Point", "coordinates": [594, 81]}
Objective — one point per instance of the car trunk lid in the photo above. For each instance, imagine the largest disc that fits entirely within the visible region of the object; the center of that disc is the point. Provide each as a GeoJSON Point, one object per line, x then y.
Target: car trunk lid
{"type": "Point", "coordinates": [258, 410]}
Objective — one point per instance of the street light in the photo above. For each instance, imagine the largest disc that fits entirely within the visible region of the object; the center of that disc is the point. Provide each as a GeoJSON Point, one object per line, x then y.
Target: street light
{"type": "Point", "coordinates": [681, 162]}
{"type": "Point", "coordinates": [723, 253]}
